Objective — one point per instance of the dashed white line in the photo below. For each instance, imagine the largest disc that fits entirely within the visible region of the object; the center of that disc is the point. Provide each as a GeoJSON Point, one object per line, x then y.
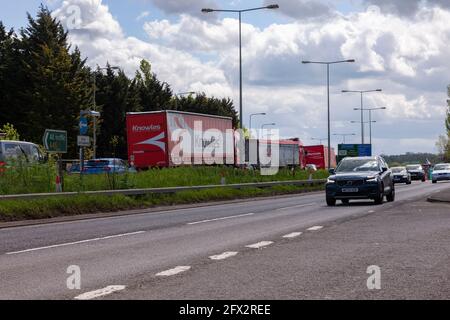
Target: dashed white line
{"type": "Point", "coordinates": [298, 206]}
{"type": "Point", "coordinates": [174, 271]}
{"type": "Point", "coordinates": [315, 228]}
{"type": "Point", "coordinates": [224, 218]}
{"type": "Point", "coordinates": [224, 255]}
{"type": "Point", "coordinates": [292, 235]}
{"type": "Point", "coordinates": [259, 245]}
{"type": "Point", "coordinates": [76, 242]}
{"type": "Point", "coordinates": [99, 293]}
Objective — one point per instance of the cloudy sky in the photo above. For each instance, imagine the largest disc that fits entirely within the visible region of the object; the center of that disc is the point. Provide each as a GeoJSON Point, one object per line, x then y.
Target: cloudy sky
{"type": "Point", "coordinates": [400, 46]}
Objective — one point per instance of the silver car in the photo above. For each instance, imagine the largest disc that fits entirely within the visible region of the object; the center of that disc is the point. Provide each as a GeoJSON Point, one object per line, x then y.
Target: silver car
{"type": "Point", "coordinates": [441, 172]}
{"type": "Point", "coordinates": [12, 150]}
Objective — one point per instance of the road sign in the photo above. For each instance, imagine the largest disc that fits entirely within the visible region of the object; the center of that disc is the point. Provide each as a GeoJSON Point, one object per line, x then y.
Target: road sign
{"type": "Point", "coordinates": [84, 141]}
{"type": "Point", "coordinates": [83, 126]}
{"type": "Point", "coordinates": [354, 150]}
{"type": "Point", "coordinates": [55, 141]}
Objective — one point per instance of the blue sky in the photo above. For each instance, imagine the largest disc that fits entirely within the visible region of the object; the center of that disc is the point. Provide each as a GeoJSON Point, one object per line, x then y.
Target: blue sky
{"type": "Point", "coordinates": [400, 46]}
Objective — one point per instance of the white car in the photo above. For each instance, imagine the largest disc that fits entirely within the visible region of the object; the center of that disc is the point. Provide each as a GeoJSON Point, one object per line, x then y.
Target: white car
{"type": "Point", "coordinates": [441, 172]}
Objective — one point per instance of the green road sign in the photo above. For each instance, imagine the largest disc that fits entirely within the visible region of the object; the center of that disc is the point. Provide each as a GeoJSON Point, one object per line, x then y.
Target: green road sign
{"type": "Point", "coordinates": [55, 141]}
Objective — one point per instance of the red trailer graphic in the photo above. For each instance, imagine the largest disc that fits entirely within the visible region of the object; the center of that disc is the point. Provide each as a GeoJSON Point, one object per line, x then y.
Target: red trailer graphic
{"type": "Point", "coordinates": [170, 138]}
{"type": "Point", "coordinates": [318, 155]}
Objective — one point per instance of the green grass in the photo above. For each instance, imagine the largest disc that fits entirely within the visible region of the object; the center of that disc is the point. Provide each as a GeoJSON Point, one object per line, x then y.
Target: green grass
{"type": "Point", "coordinates": [41, 178]}
{"type": "Point", "coordinates": [20, 179]}
{"type": "Point", "coordinates": [15, 210]}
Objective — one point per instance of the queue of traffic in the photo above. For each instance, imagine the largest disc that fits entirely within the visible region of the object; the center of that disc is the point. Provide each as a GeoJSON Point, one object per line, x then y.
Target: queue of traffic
{"type": "Point", "coordinates": [358, 178]}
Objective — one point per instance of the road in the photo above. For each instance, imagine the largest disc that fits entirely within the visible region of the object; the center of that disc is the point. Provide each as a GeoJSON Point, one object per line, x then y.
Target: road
{"type": "Point", "coordinates": [139, 254]}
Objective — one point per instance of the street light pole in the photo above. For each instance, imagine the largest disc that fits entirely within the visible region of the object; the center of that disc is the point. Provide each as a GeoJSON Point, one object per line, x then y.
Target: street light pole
{"type": "Point", "coordinates": [361, 92]}
{"type": "Point", "coordinates": [254, 115]}
{"type": "Point", "coordinates": [266, 125]}
{"type": "Point", "coordinates": [208, 10]}
{"type": "Point", "coordinates": [370, 124]}
{"type": "Point", "coordinates": [370, 117]}
{"type": "Point", "coordinates": [328, 63]}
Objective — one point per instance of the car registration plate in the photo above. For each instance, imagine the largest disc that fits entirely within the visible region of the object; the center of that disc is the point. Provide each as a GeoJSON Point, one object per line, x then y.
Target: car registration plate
{"type": "Point", "coordinates": [350, 190]}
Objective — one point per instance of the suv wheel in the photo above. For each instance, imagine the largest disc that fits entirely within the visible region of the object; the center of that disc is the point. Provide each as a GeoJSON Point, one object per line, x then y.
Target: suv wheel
{"type": "Point", "coordinates": [434, 181]}
{"type": "Point", "coordinates": [380, 196]}
{"type": "Point", "coordinates": [391, 196]}
{"type": "Point", "coordinates": [331, 202]}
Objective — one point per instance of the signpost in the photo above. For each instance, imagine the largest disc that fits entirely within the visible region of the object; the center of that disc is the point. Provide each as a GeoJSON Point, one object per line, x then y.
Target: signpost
{"type": "Point", "coordinates": [55, 141]}
{"type": "Point", "coordinates": [354, 150]}
{"type": "Point", "coordinates": [83, 126]}
{"type": "Point", "coordinates": [84, 141]}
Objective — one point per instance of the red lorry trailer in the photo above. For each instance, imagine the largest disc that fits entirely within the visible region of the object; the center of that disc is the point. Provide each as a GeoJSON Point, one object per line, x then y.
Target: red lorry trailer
{"type": "Point", "coordinates": [171, 138]}
{"type": "Point", "coordinates": [318, 155]}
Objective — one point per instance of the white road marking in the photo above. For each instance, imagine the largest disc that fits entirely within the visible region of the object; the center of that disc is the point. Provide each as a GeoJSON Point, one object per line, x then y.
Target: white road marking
{"type": "Point", "coordinates": [298, 206]}
{"type": "Point", "coordinates": [223, 256]}
{"type": "Point", "coordinates": [77, 242]}
{"type": "Point", "coordinates": [219, 219]}
{"type": "Point", "coordinates": [99, 293]}
{"type": "Point", "coordinates": [174, 271]}
{"type": "Point", "coordinates": [292, 235]}
{"type": "Point", "coordinates": [315, 228]}
{"type": "Point", "coordinates": [259, 245]}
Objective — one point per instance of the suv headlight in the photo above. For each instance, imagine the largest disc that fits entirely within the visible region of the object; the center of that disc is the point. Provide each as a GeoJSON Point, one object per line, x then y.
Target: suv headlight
{"type": "Point", "coordinates": [372, 179]}
{"type": "Point", "coordinates": [331, 180]}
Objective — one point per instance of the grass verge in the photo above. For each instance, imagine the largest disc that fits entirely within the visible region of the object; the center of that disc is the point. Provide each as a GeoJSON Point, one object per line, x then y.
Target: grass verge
{"type": "Point", "coordinates": [16, 210]}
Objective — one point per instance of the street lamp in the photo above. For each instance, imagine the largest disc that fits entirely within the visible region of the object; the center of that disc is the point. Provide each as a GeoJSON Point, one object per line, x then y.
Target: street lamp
{"type": "Point", "coordinates": [266, 125]}
{"type": "Point", "coordinates": [208, 10]}
{"type": "Point", "coordinates": [344, 135]}
{"type": "Point", "coordinates": [370, 118]}
{"type": "Point", "coordinates": [254, 115]}
{"type": "Point", "coordinates": [328, 63]}
{"type": "Point", "coordinates": [94, 113]}
{"type": "Point", "coordinates": [362, 106]}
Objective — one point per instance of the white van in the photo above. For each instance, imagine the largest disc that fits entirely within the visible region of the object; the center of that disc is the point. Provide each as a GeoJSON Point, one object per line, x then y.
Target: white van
{"type": "Point", "coordinates": [10, 150]}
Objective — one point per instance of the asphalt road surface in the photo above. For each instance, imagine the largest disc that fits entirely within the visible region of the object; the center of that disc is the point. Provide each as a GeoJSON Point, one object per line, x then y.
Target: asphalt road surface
{"type": "Point", "coordinates": [239, 251]}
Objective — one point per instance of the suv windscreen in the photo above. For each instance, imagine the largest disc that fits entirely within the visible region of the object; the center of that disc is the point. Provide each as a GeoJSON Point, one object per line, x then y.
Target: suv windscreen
{"type": "Point", "coordinates": [414, 167]}
{"type": "Point", "coordinates": [398, 170]}
{"type": "Point", "coordinates": [358, 165]}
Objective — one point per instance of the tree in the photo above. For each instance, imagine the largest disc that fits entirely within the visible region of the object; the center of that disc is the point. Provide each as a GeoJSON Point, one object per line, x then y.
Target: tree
{"type": "Point", "coordinates": [114, 99]}
{"type": "Point", "coordinates": [153, 94]}
{"type": "Point", "coordinates": [202, 104]}
{"type": "Point", "coordinates": [57, 81]}
{"type": "Point", "coordinates": [9, 132]}
{"type": "Point", "coordinates": [8, 73]}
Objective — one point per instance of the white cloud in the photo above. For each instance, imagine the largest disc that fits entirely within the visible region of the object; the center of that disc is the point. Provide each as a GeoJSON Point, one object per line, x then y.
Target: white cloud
{"type": "Point", "coordinates": [407, 58]}
{"type": "Point", "coordinates": [143, 15]}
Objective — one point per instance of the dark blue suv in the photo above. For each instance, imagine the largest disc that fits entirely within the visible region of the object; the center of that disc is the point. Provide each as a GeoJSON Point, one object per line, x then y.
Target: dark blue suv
{"type": "Point", "coordinates": [360, 178]}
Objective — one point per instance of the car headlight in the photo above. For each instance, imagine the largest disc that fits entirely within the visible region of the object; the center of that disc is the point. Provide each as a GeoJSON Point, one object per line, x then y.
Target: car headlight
{"type": "Point", "coordinates": [331, 180]}
{"type": "Point", "coordinates": [372, 179]}
{"type": "Point", "coordinates": [405, 177]}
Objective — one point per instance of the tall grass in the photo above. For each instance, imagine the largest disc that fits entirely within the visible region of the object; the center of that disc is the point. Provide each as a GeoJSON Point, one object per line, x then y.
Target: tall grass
{"type": "Point", "coordinates": [21, 178]}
